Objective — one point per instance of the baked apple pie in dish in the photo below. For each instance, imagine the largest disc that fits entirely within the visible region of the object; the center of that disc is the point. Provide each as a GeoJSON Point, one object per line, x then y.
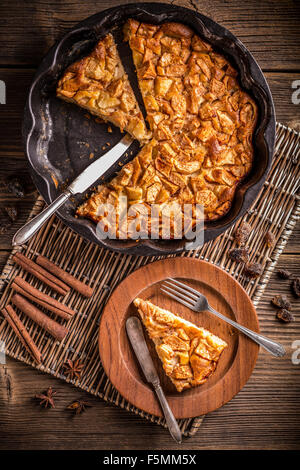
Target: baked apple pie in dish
{"type": "Point", "coordinates": [189, 354]}
{"type": "Point", "coordinates": [201, 121]}
{"type": "Point", "coordinates": [189, 93]}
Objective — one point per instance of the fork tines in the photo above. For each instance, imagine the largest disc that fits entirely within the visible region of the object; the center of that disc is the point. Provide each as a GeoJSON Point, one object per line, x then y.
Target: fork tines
{"type": "Point", "coordinates": [181, 292]}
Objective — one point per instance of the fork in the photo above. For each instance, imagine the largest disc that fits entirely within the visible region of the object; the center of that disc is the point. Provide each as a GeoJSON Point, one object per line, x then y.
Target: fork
{"type": "Point", "coordinates": [196, 301]}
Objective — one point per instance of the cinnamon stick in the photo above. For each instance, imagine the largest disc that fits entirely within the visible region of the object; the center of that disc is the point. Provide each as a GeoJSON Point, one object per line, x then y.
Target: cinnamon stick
{"type": "Point", "coordinates": [40, 273]}
{"type": "Point", "coordinates": [24, 288]}
{"type": "Point", "coordinates": [79, 286]}
{"type": "Point", "coordinates": [20, 330]}
{"type": "Point", "coordinates": [54, 328]}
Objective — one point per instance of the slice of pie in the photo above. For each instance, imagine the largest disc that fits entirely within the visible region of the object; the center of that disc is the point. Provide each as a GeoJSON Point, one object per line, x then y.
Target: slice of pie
{"type": "Point", "coordinates": [99, 84]}
{"type": "Point", "coordinates": [189, 354]}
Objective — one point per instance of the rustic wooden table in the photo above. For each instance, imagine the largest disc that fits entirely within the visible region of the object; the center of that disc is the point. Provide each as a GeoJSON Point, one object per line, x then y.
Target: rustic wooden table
{"type": "Point", "coordinates": [266, 413]}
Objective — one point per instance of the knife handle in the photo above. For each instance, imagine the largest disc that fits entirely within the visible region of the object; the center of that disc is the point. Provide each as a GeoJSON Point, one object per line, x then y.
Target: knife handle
{"type": "Point", "coordinates": [28, 230]}
{"type": "Point", "coordinates": [170, 418]}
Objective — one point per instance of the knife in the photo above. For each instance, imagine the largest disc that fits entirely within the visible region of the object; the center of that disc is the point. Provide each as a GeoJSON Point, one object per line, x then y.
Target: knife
{"type": "Point", "coordinates": [94, 171]}
{"type": "Point", "coordinates": [136, 336]}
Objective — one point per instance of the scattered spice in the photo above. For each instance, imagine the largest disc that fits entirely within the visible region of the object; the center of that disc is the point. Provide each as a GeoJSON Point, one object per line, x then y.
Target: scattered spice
{"type": "Point", "coordinates": [295, 287]}
{"type": "Point", "coordinates": [284, 315]}
{"type": "Point", "coordinates": [19, 186]}
{"type": "Point", "coordinates": [73, 369]}
{"type": "Point", "coordinates": [270, 239]}
{"type": "Point", "coordinates": [78, 406]}
{"type": "Point", "coordinates": [15, 187]}
{"type": "Point", "coordinates": [12, 212]}
{"type": "Point", "coordinates": [46, 398]}
{"type": "Point", "coordinates": [284, 274]}
{"type": "Point", "coordinates": [109, 129]}
{"type": "Point", "coordinates": [5, 221]}
{"type": "Point", "coordinates": [240, 255]}
{"type": "Point", "coordinates": [5, 225]}
{"type": "Point", "coordinates": [281, 301]}
{"type": "Point", "coordinates": [253, 270]}
{"type": "Point", "coordinates": [242, 233]}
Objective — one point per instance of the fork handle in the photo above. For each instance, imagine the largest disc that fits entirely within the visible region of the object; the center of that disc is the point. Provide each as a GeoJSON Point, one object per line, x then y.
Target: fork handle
{"type": "Point", "coordinates": [271, 346]}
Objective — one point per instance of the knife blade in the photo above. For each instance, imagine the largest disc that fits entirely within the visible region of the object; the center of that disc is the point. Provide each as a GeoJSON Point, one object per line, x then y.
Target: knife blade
{"type": "Point", "coordinates": [94, 171]}
{"type": "Point", "coordinates": [136, 336]}
{"type": "Point", "coordinates": [98, 168]}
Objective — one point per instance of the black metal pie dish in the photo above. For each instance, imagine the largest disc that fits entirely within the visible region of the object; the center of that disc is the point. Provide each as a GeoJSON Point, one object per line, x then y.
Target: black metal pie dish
{"type": "Point", "coordinates": [60, 138]}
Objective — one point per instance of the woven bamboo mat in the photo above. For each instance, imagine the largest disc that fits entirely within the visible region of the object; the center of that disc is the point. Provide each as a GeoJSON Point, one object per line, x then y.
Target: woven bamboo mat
{"type": "Point", "coordinates": [277, 208]}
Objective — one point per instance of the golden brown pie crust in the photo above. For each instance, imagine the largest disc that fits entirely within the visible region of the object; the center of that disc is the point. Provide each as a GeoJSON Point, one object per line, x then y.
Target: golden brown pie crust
{"type": "Point", "coordinates": [189, 354]}
{"type": "Point", "coordinates": [202, 123]}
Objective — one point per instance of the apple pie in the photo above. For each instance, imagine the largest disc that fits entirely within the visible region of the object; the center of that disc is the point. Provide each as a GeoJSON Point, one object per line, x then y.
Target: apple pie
{"type": "Point", "coordinates": [99, 84]}
{"type": "Point", "coordinates": [202, 123]}
{"type": "Point", "coordinates": [189, 354]}
{"type": "Point", "coordinates": [146, 181]}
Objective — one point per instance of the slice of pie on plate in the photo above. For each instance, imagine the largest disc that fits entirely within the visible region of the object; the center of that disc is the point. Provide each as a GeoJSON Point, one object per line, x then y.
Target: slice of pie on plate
{"type": "Point", "coordinates": [189, 353]}
{"type": "Point", "coordinates": [99, 84]}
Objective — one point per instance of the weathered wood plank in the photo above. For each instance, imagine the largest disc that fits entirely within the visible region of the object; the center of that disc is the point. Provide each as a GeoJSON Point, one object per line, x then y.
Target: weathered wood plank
{"type": "Point", "coordinates": [11, 115]}
{"type": "Point", "coordinates": [269, 29]}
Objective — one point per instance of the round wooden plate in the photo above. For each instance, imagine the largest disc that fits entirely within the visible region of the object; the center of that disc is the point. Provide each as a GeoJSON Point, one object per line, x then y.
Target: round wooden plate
{"type": "Point", "coordinates": [224, 293]}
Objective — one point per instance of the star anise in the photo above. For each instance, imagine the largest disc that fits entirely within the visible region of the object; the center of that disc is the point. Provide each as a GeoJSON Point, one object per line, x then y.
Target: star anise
{"type": "Point", "coordinates": [73, 369]}
{"type": "Point", "coordinates": [78, 406]}
{"type": "Point", "coordinates": [46, 398]}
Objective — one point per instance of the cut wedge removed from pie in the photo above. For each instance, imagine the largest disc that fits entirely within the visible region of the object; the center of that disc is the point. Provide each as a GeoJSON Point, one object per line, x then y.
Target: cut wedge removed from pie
{"type": "Point", "coordinates": [99, 84]}
{"type": "Point", "coordinates": [189, 354]}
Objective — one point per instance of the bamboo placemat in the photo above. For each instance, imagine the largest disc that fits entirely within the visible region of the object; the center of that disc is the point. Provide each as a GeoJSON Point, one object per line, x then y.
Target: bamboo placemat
{"type": "Point", "coordinates": [276, 208]}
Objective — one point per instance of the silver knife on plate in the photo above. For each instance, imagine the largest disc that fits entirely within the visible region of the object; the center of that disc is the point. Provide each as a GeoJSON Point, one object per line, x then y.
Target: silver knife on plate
{"type": "Point", "coordinates": [94, 171]}
{"type": "Point", "coordinates": [136, 336]}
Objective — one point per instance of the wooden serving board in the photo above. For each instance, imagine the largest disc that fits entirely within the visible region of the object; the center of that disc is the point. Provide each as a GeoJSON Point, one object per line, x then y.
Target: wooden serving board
{"type": "Point", "coordinates": [224, 293]}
